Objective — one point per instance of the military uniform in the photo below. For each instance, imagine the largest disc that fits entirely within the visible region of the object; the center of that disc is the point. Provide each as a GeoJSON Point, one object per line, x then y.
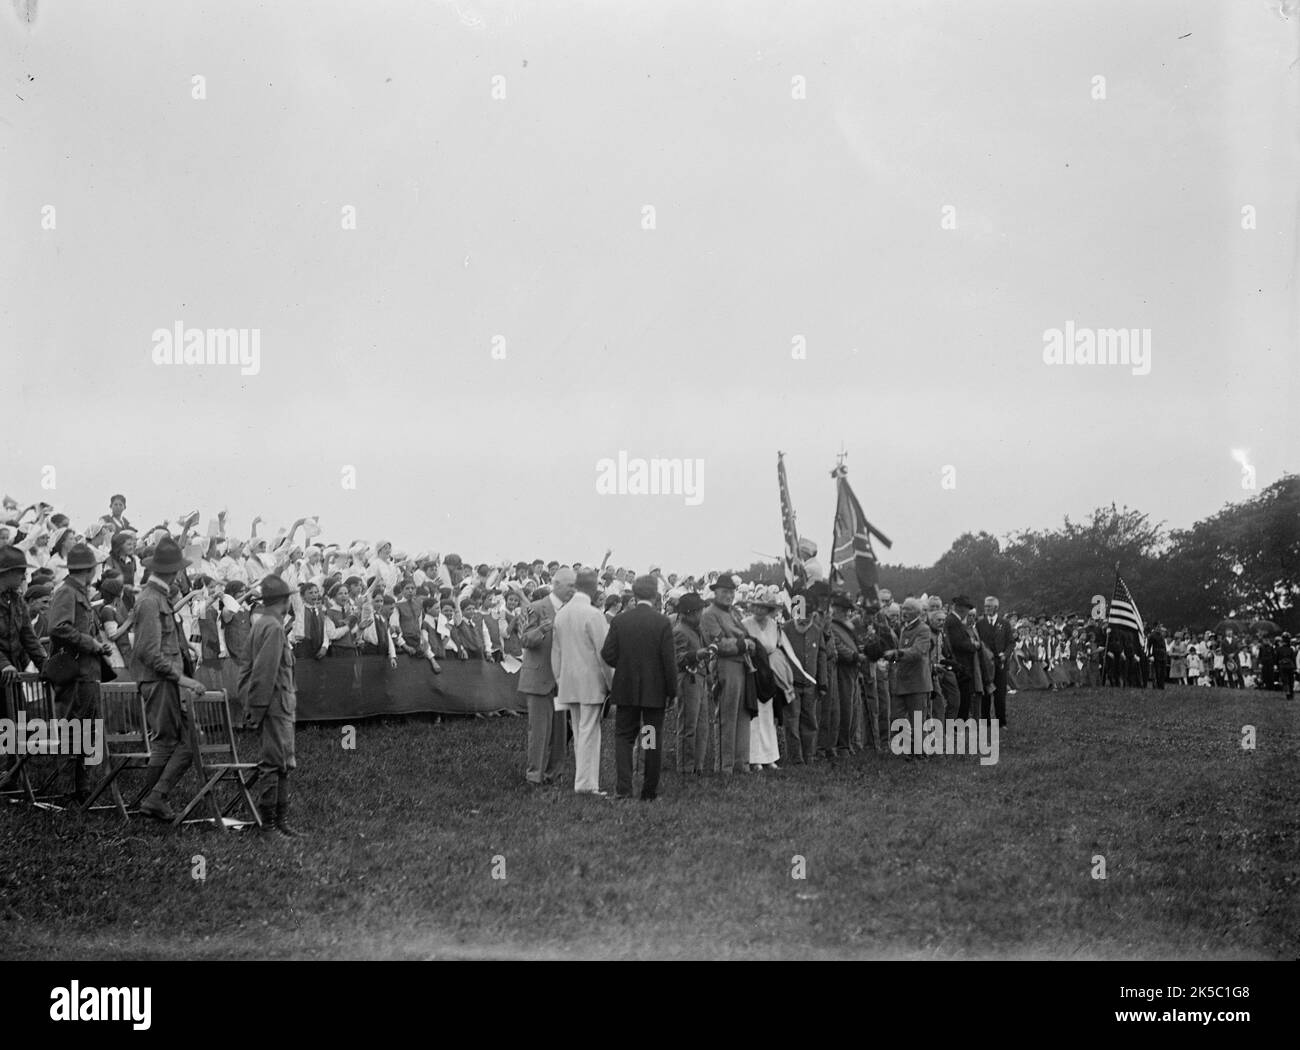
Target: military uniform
{"type": "Point", "coordinates": [721, 627]}
{"type": "Point", "coordinates": [75, 629]}
{"type": "Point", "coordinates": [158, 664]}
{"type": "Point", "coordinates": [693, 717]}
{"type": "Point", "coordinates": [838, 736]}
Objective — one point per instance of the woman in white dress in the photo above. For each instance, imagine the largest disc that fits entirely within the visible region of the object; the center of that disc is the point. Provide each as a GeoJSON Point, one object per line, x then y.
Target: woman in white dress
{"type": "Point", "coordinates": [764, 746]}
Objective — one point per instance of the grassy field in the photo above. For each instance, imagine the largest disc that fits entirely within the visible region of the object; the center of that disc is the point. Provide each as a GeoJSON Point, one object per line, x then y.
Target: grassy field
{"type": "Point", "coordinates": [937, 859]}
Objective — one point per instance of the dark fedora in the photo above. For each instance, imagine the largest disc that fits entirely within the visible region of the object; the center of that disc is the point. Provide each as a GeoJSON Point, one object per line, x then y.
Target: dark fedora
{"type": "Point", "coordinates": [81, 557]}
{"type": "Point", "coordinates": [166, 557]}
{"type": "Point", "coordinates": [11, 559]}
{"type": "Point", "coordinates": [726, 580]}
{"type": "Point", "coordinates": [962, 602]}
{"type": "Point", "coordinates": [273, 589]}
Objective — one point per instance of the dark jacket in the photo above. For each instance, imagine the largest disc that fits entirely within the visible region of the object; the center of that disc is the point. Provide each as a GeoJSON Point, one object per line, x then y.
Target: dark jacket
{"type": "Point", "coordinates": [960, 645]}
{"type": "Point", "coordinates": [18, 642]}
{"type": "Point", "coordinates": [808, 640]}
{"type": "Point", "coordinates": [999, 637]}
{"type": "Point", "coordinates": [75, 628]}
{"type": "Point", "coordinates": [640, 648]}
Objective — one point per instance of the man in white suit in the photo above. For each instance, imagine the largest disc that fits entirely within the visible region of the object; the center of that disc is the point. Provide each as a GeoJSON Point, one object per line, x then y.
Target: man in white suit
{"type": "Point", "coordinates": [582, 678]}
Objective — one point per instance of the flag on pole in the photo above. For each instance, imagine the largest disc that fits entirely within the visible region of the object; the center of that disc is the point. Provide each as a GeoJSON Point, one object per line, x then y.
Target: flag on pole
{"type": "Point", "coordinates": [1123, 613]}
{"type": "Point", "coordinates": [853, 562]}
{"type": "Point", "coordinates": [794, 577]}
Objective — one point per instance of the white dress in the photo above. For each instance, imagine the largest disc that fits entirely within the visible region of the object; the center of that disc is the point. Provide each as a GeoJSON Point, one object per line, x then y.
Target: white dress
{"type": "Point", "coordinates": [764, 748]}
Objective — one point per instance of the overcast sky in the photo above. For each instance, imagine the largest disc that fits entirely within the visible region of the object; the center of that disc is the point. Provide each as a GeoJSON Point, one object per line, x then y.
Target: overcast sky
{"type": "Point", "coordinates": [522, 217]}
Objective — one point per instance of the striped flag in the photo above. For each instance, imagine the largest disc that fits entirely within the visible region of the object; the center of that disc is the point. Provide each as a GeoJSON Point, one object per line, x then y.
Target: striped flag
{"type": "Point", "coordinates": [794, 578]}
{"type": "Point", "coordinates": [1124, 611]}
{"type": "Point", "coordinates": [853, 562]}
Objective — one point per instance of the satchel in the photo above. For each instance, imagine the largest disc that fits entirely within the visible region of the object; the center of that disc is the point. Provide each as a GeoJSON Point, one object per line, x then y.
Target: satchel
{"type": "Point", "coordinates": [61, 668]}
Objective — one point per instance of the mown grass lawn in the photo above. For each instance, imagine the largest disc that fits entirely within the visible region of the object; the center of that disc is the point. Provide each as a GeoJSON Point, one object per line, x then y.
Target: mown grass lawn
{"type": "Point", "coordinates": [937, 859]}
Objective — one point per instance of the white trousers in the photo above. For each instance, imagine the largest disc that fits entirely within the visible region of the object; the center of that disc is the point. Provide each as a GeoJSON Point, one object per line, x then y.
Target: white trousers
{"type": "Point", "coordinates": [585, 719]}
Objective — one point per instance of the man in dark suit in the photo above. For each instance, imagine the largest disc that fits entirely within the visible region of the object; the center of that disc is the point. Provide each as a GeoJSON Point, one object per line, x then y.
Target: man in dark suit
{"type": "Point", "coordinates": [640, 649]}
{"type": "Point", "coordinates": [964, 652]}
{"type": "Point", "coordinates": [996, 633]}
{"type": "Point", "coordinates": [546, 726]}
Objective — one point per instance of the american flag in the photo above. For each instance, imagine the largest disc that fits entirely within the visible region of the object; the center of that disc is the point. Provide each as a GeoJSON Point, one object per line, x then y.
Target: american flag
{"type": "Point", "coordinates": [853, 562]}
{"type": "Point", "coordinates": [793, 575]}
{"type": "Point", "coordinates": [1124, 611]}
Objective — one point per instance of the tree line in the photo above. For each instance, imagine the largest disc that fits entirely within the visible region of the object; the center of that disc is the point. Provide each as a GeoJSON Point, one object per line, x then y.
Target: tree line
{"type": "Point", "coordinates": [1242, 562]}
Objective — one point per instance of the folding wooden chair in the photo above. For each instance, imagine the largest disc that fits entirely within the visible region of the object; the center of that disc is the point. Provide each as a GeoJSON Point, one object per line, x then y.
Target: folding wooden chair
{"type": "Point", "coordinates": [126, 742]}
{"type": "Point", "coordinates": [213, 740]}
{"type": "Point", "coordinates": [29, 697]}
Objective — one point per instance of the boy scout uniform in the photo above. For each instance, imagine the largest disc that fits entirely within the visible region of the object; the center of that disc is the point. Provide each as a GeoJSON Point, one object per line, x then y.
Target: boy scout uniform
{"type": "Point", "coordinates": [271, 702]}
{"type": "Point", "coordinates": [75, 629]}
{"type": "Point", "coordinates": [158, 664]}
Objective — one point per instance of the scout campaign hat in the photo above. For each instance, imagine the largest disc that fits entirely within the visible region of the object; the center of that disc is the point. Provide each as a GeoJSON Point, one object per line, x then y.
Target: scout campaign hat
{"type": "Point", "coordinates": [166, 557]}
{"type": "Point", "coordinates": [81, 557]}
{"type": "Point", "coordinates": [273, 589]}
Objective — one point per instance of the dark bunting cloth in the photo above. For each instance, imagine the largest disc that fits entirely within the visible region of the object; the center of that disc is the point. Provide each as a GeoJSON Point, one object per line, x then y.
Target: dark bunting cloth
{"type": "Point", "coordinates": [338, 689]}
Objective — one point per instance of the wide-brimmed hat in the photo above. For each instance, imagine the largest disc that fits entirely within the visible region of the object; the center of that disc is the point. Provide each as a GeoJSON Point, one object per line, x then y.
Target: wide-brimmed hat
{"type": "Point", "coordinates": [81, 557]}
{"type": "Point", "coordinates": [273, 588]}
{"type": "Point", "coordinates": [765, 596]}
{"type": "Point", "coordinates": [12, 558]}
{"type": "Point", "coordinates": [166, 557]}
{"type": "Point", "coordinates": [962, 602]}
{"type": "Point", "coordinates": [726, 580]}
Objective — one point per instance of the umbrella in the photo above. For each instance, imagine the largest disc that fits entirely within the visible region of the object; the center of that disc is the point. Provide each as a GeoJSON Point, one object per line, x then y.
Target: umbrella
{"type": "Point", "coordinates": [1229, 625]}
{"type": "Point", "coordinates": [1265, 627]}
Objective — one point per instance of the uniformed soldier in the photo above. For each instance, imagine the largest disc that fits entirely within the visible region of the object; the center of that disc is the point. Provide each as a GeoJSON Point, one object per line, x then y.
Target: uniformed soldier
{"type": "Point", "coordinates": [75, 629]}
{"type": "Point", "coordinates": [721, 631]}
{"type": "Point", "coordinates": [837, 736]}
{"type": "Point", "coordinates": [271, 702]}
{"type": "Point", "coordinates": [162, 665]}
{"type": "Point", "coordinates": [692, 667]}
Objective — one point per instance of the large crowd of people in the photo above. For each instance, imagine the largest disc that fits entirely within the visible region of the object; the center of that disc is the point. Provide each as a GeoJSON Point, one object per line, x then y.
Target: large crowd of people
{"type": "Point", "coordinates": [759, 676]}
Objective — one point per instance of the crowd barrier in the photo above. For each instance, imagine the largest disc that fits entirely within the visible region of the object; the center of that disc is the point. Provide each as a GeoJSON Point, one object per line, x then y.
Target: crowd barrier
{"type": "Point", "coordinates": [340, 688]}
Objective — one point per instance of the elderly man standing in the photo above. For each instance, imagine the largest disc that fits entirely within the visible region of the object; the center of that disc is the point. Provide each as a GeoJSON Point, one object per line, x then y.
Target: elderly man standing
{"type": "Point", "coordinates": [546, 735]}
{"type": "Point", "coordinates": [996, 633]}
{"type": "Point", "coordinates": [912, 661]}
{"type": "Point", "coordinates": [582, 678]}
{"type": "Point", "coordinates": [722, 631]}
